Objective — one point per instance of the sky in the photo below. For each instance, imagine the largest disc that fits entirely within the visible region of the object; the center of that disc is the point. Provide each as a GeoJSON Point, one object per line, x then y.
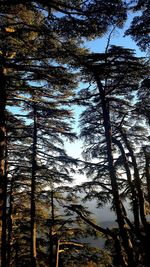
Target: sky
{"type": "Point", "coordinates": [117, 38]}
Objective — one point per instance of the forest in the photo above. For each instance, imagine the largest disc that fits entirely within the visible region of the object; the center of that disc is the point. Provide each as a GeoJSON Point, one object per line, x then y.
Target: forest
{"type": "Point", "coordinates": [46, 73]}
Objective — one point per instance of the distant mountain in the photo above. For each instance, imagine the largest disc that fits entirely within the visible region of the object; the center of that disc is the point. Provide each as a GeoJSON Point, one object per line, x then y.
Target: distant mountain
{"type": "Point", "coordinates": [105, 214]}
{"type": "Point", "coordinates": [105, 218]}
{"type": "Point", "coordinates": [99, 242]}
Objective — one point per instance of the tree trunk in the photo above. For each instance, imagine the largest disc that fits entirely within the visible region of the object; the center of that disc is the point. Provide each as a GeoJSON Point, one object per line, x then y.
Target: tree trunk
{"type": "Point", "coordinates": [147, 172]}
{"type": "Point", "coordinates": [33, 189]}
{"type": "Point", "coordinates": [57, 254]}
{"type": "Point", "coordinates": [137, 180]}
{"type": "Point", "coordinates": [3, 181]}
{"type": "Point", "coordinates": [146, 225]}
{"type": "Point", "coordinates": [16, 254]}
{"type": "Point", "coordinates": [4, 218]}
{"type": "Point", "coordinates": [51, 256]}
{"type": "Point", "coordinates": [117, 202]}
{"type": "Point", "coordinates": [131, 185]}
{"type": "Point", "coordinates": [10, 225]}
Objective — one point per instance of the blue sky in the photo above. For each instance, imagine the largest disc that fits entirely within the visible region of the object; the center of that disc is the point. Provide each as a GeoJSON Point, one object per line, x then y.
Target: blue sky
{"type": "Point", "coordinates": [99, 44]}
{"type": "Point", "coordinates": [117, 38]}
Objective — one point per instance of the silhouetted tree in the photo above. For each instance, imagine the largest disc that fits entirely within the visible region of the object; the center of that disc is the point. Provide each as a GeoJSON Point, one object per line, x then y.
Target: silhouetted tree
{"type": "Point", "coordinates": [104, 124]}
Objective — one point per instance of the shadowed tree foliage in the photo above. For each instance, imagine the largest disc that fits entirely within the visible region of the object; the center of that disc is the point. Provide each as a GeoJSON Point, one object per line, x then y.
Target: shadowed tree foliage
{"type": "Point", "coordinates": [139, 29]}
{"type": "Point", "coordinates": [41, 49]}
{"type": "Point", "coordinates": [35, 39]}
{"type": "Point", "coordinates": [113, 144]}
{"type": "Point", "coordinates": [142, 105]}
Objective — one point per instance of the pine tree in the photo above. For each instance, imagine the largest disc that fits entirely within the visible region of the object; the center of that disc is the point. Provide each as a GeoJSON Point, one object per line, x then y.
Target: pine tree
{"type": "Point", "coordinates": [35, 43]}
{"type": "Point", "coordinates": [103, 128]}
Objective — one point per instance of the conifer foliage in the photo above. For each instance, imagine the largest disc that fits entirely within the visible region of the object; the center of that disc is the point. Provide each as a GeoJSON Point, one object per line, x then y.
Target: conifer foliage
{"type": "Point", "coordinates": [114, 140]}
{"type": "Point", "coordinates": [41, 54]}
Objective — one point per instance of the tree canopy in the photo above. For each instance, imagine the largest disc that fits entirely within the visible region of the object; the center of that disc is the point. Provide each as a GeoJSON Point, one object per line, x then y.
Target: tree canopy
{"type": "Point", "coordinates": [44, 64]}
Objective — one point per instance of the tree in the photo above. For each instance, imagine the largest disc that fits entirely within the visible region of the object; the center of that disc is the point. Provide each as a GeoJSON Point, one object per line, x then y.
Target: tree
{"type": "Point", "coordinates": [139, 29]}
{"type": "Point", "coordinates": [18, 182]}
{"type": "Point", "coordinates": [26, 29]}
{"type": "Point", "coordinates": [104, 124]}
{"type": "Point", "coordinates": [40, 49]}
{"type": "Point", "coordinates": [9, 46]}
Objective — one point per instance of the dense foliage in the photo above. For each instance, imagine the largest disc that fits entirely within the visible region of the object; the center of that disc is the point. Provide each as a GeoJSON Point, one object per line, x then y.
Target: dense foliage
{"type": "Point", "coordinates": [44, 64]}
